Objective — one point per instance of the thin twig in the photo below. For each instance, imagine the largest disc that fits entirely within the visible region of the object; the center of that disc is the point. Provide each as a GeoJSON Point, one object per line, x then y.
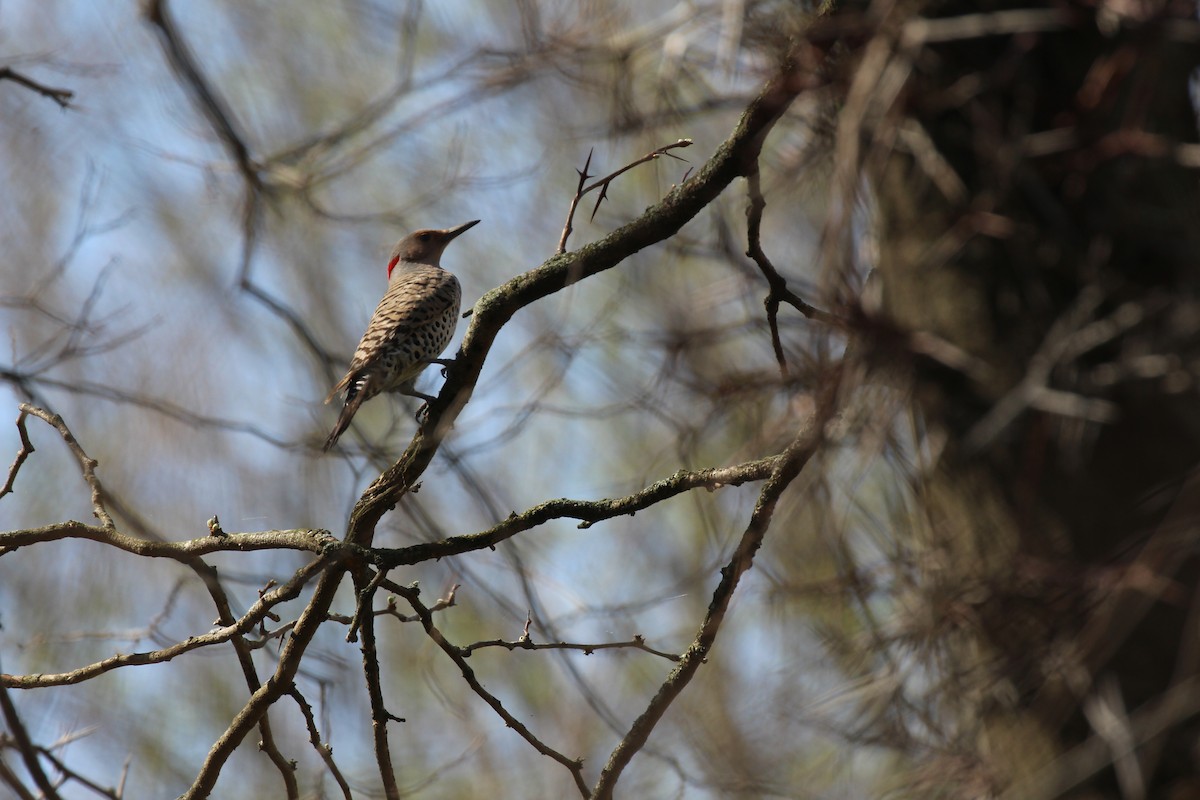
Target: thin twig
{"type": "Point", "coordinates": [587, 511]}
{"type": "Point", "coordinates": [241, 626]}
{"type": "Point", "coordinates": [60, 96]}
{"type": "Point", "coordinates": [574, 766]}
{"type": "Point", "coordinates": [777, 288]}
{"type": "Point", "coordinates": [25, 746]}
{"type": "Point", "coordinates": [794, 459]}
{"type": "Point", "coordinates": [391, 611]}
{"type": "Point", "coordinates": [314, 736]}
{"type": "Point", "coordinates": [638, 642]}
{"type": "Point", "coordinates": [380, 716]}
{"type": "Point", "coordinates": [26, 450]}
{"type": "Point", "coordinates": [70, 774]}
{"type": "Point", "coordinates": [604, 182]}
{"type": "Point", "coordinates": [87, 465]}
{"type": "Point", "coordinates": [214, 108]}
{"type": "Point", "coordinates": [567, 228]}
{"type": "Point", "coordinates": [363, 604]}
{"type": "Point", "coordinates": [243, 649]}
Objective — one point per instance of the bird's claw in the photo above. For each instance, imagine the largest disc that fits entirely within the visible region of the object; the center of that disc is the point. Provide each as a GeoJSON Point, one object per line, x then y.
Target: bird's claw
{"type": "Point", "coordinates": [445, 362]}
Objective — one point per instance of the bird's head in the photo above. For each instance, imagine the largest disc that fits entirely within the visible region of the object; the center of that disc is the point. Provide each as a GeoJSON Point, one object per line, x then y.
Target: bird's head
{"type": "Point", "coordinates": [425, 246]}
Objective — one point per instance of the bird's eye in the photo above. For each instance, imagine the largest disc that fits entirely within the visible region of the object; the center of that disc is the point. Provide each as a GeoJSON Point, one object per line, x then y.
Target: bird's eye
{"type": "Point", "coordinates": [424, 237]}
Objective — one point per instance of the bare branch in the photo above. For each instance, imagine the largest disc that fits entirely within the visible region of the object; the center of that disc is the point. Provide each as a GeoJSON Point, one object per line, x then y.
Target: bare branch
{"type": "Point", "coordinates": [60, 96]}
{"type": "Point", "coordinates": [638, 642]}
{"type": "Point", "coordinates": [214, 108]}
{"type": "Point", "coordinates": [778, 290]}
{"type": "Point", "coordinates": [574, 766]}
{"type": "Point", "coordinates": [379, 713]}
{"type": "Point", "coordinates": [88, 465]}
{"type": "Point", "coordinates": [314, 736]}
{"type": "Point", "coordinates": [391, 611]}
{"type": "Point", "coordinates": [786, 470]}
{"type": "Point", "coordinates": [227, 632]}
{"type": "Point", "coordinates": [588, 511]}
{"type": "Point", "coordinates": [603, 184]}
{"type": "Point", "coordinates": [314, 541]}
{"type": "Point", "coordinates": [25, 746]}
{"type": "Point", "coordinates": [26, 450]}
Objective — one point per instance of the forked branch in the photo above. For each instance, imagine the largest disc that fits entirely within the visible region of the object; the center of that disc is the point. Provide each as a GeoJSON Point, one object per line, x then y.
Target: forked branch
{"type": "Point", "coordinates": [604, 182]}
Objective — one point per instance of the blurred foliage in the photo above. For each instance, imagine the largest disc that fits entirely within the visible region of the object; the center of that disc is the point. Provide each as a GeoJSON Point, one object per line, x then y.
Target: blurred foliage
{"type": "Point", "coordinates": [186, 313]}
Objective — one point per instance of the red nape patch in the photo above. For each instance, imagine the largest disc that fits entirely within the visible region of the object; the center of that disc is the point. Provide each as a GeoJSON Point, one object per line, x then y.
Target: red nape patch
{"type": "Point", "coordinates": [392, 265]}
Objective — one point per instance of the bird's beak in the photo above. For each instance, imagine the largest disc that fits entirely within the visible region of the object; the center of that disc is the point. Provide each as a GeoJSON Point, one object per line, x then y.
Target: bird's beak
{"type": "Point", "coordinates": [451, 233]}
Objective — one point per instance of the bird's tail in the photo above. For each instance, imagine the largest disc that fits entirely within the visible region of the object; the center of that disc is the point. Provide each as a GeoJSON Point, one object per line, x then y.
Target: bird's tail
{"type": "Point", "coordinates": [354, 398]}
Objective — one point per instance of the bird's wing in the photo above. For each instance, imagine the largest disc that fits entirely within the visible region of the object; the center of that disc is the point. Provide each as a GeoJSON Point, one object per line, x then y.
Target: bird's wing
{"type": "Point", "coordinates": [414, 299]}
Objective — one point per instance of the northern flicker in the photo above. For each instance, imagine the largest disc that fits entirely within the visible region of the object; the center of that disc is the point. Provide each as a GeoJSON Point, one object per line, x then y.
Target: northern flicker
{"type": "Point", "coordinates": [410, 328]}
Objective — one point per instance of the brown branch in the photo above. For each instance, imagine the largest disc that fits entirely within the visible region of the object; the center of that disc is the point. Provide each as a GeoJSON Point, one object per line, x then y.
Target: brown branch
{"type": "Point", "coordinates": [786, 470]}
{"type": "Point", "coordinates": [574, 766]}
{"type": "Point", "coordinates": [25, 746]}
{"type": "Point", "coordinates": [587, 511]}
{"type": "Point", "coordinates": [777, 288]}
{"type": "Point", "coordinates": [314, 736]}
{"type": "Point", "coordinates": [568, 228]}
{"type": "Point", "coordinates": [26, 450]}
{"type": "Point", "coordinates": [70, 774]}
{"type": "Point", "coordinates": [87, 465]}
{"type": "Point", "coordinates": [184, 62]}
{"type": "Point", "coordinates": [242, 649]}
{"type": "Point", "coordinates": [314, 541]}
{"type": "Point", "coordinates": [603, 184]}
{"type": "Point", "coordinates": [60, 96]}
{"type": "Point", "coordinates": [638, 642]}
{"type": "Point", "coordinates": [391, 611]}
{"type": "Point", "coordinates": [379, 713]}
{"type": "Point", "coordinates": [242, 625]}
{"type": "Point", "coordinates": [289, 663]}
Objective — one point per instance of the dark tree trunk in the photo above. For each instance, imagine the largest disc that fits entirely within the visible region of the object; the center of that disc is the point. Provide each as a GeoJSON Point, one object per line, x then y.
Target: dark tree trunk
{"type": "Point", "coordinates": [1070, 264]}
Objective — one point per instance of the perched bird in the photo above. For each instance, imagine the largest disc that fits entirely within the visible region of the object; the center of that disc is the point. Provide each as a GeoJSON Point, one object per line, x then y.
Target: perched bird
{"type": "Point", "coordinates": [410, 328]}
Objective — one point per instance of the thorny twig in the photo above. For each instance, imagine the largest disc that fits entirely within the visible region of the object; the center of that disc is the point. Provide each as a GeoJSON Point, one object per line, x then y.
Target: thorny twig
{"type": "Point", "coordinates": [603, 184]}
